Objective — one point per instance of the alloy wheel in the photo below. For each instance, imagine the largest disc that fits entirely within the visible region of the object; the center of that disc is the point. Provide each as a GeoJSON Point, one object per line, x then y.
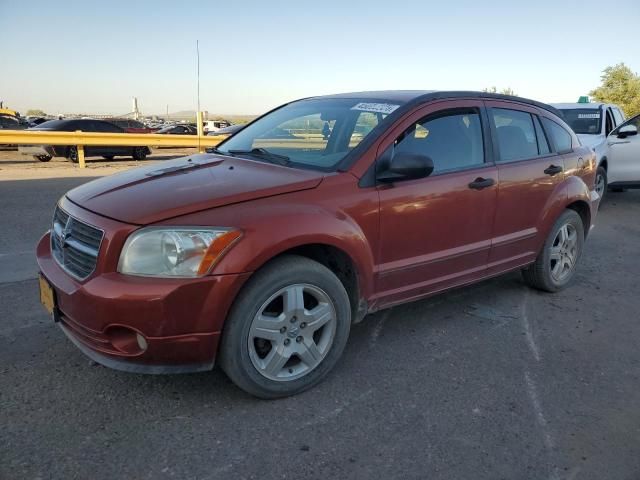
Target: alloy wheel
{"type": "Point", "coordinates": [564, 252]}
{"type": "Point", "coordinates": [292, 332]}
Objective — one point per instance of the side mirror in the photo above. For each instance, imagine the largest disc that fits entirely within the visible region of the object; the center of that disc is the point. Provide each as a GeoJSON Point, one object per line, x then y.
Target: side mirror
{"type": "Point", "coordinates": [627, 131]}
{"type": "Point", "coordinates": [407, 166]}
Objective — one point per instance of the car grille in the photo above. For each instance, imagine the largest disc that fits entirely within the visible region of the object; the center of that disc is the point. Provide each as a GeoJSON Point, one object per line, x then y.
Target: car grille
{"type": "Point", "coordinates": [75, 245]}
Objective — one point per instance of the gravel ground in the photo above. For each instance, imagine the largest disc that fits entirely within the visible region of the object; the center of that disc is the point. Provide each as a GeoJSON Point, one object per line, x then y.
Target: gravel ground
{"type": "Point", "coordinates": [488, 382]}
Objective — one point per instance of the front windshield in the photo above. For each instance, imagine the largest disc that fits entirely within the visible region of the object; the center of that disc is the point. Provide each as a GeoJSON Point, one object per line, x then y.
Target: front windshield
{"type": "Point", "coordinates": [583, 120]}
{"type": "Point", "coordinates": [315, 133]}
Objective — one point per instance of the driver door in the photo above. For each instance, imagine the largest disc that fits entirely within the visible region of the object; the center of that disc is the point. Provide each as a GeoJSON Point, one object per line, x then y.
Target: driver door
{"type": "Point", "coordinates": [435, 232]}
{"type": "Point", "coordinates": [623, 155]}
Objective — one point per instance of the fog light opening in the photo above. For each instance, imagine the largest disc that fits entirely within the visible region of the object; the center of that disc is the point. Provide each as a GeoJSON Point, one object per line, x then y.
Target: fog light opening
{"type": "Point", "coordinates": [142, 342]}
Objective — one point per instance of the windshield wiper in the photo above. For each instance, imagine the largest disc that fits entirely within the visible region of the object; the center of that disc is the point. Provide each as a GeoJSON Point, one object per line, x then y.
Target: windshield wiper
{"type": "Point", "coordinates": [263, 153]}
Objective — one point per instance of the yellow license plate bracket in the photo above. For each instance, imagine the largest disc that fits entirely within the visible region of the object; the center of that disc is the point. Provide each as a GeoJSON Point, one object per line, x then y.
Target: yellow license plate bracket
{"type": "Point", "coordinates": [47, 297]}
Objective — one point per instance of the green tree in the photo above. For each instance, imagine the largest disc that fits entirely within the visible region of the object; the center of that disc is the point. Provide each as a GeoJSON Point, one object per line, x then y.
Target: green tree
{"type": "Point", "coordinates": [35, 112]}
{"type": "Point", "coordinates": [620, 85]}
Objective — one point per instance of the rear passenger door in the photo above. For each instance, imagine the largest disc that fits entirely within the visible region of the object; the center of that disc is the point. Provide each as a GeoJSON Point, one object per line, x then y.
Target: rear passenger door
{"type": "Point", "coordinates": [529, 173]}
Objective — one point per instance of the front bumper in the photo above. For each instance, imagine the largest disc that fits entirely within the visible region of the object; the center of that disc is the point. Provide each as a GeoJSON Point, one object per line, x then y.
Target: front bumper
{"type": "Point", "coordinates": [180, 320]}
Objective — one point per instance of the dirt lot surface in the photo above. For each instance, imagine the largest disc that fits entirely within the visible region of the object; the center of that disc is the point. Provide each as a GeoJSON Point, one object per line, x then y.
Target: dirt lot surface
{"type": "Point", "coordinates": [14, 166]}
{"type": "Point", "coordinates": [494, 381]}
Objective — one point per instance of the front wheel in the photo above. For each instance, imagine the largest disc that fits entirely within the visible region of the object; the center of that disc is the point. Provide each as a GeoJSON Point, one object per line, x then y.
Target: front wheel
{"type": "Point", "coordinates": [287, 329]}
{"type": "Point", "coordinates": [139, 153]}
{"type": "Point", "coordinates": [556, 263]}
{"type": "Point", "coordinates": [43, 158]}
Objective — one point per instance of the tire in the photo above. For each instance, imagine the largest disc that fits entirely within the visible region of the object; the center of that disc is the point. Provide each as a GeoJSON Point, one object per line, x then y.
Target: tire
{"type": "Point", "coordinates": [139, 153]}
{"type": "Point", "coordinates": [260, 311]}
{"type": "Point", "coordinates": [108, 157]}
{"type": "Point", "coordinates": [72, 154]}
{"type": "Point", "coordinates": [42, 158]}
{"type": "Point", "coordinates": [544, 273]}
{"type": "Point", "coordinates": [601, 182]}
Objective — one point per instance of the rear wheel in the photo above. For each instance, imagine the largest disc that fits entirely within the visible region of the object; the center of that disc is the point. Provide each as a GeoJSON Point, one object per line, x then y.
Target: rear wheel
{"type": "Point", "coordinates": [42, 158]}
{"type": "Point", "coordinates": [601, 182]}
{"type": "Point", "coordinates": [287, 329]}
{"type": "Point", "coordinates": [556, 264]}
{"type": "Point", "coordinates": [139, 153]}
{"type": "Point", "coordinates": [72, 154]}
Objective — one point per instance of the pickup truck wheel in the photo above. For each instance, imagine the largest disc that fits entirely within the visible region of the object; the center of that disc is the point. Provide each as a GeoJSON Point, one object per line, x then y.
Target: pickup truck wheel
{"type": "Point", "coordinates": [287, 329]}
{"type": "Point", "coordinates": [72, 154]}
{"type": "Point", "coordinates": [601, 182]}
{"type": "Point", "coordinates": [43, 158]}
{"type": "Point", "coordinates": [556, 264]}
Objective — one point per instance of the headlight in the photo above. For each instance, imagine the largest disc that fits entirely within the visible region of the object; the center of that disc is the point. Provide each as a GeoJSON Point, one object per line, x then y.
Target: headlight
{"type": "Point", "coordinates": [175, 252]}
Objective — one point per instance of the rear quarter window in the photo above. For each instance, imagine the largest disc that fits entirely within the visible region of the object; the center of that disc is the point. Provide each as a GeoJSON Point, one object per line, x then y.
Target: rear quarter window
{"type": "Point", "coordinates": [560, 138]}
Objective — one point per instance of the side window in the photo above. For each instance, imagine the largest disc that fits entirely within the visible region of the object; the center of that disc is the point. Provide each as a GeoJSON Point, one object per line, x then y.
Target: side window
{"type": "Point", "coordinates": [516, 134]}
{"type": "Point", "coordinates": [453, 140]}
{"type": "Point", "coordinates": [365, 122]}
{"type": "Point", "coordinates": [560, 137]}
{"type": "Point", "coordinates": [107, 127]}
{"type": "Point", "coordinates": [617, 116]}
{"type": "Point", "coordinates": [632, 121]}
{"type": "Point", "coordinates": [609, 123]}
{"type": "Point", "coordinates": [543, 143]}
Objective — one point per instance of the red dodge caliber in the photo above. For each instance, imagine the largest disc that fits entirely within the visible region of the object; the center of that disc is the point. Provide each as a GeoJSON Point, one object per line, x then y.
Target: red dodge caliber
{"type": "Point", "coordinates": [261, 255]}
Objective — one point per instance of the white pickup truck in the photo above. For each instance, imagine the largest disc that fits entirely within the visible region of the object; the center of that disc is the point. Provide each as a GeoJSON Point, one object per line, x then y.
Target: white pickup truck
{"type": "Point", "coordinates": [593, 124]}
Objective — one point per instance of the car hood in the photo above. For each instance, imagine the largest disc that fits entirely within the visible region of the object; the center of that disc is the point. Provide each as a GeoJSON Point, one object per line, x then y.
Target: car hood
{"type": "Point", "coordinates": [589, 140]}
{"type": "Point", "coordinates": [178, 187]}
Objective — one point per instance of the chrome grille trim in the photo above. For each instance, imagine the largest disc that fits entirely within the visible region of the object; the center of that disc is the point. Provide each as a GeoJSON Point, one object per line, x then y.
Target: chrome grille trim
{"type": "Point", "coordinates": [75, 245]}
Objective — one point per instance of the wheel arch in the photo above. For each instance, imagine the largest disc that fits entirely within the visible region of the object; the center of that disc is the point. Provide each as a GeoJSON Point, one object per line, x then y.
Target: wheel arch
{"type": "Point", "coordinates": [581, 207]}
{"type": "Point", "coordinates": [337, 258]}
{"type": "Point", "coordinates": [604, 163]}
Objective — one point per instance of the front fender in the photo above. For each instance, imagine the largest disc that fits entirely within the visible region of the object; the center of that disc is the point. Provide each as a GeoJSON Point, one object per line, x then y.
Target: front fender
{"type": "Point", "coordinates": [275, 230]}
{"type": "Point", "coordinates": [272, 226]}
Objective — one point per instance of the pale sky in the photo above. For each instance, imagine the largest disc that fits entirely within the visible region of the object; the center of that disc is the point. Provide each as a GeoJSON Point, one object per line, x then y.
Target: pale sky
{"type": "Point", "coordinates": [93, 57]}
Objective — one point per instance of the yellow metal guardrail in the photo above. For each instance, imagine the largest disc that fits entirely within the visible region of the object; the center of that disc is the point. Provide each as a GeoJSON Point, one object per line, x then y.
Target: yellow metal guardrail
{"type": "Point", "coordinates": [94, 139]}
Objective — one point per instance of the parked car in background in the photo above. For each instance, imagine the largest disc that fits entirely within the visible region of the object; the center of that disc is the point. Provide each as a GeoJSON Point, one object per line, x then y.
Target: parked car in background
{"type": "Point", "coordinates": [226, 131]}
{"type": "Point", "coordinates": [8, 122]}
{"type": "Point", "coordinates": [623, 155]}
{"type": "Point", "coordinates": [44, 153]}
{"type": "Point", "coordinates": [179, 130]}
{"type": "Point", "coordinates": [215, 125]}
{"type": "Point", "coordinates": [35, 121]}
{"type": "Point", "coordinates": [130, 126]}
{"type": "Point", "coordinates": [592, 123]}
{"type": "Point", "coordinates": [260, 257]}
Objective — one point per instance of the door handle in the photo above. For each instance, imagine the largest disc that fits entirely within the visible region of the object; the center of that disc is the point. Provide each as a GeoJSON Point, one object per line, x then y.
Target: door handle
{"type": "Point", "coordinates": [480, 183]}
{"type": "Point", "coordinates": [552, 170]}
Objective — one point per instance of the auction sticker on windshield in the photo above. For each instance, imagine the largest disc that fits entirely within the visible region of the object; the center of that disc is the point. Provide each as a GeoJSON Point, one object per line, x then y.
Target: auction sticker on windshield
{"type": "Point", "coordinates": [375, 107]}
